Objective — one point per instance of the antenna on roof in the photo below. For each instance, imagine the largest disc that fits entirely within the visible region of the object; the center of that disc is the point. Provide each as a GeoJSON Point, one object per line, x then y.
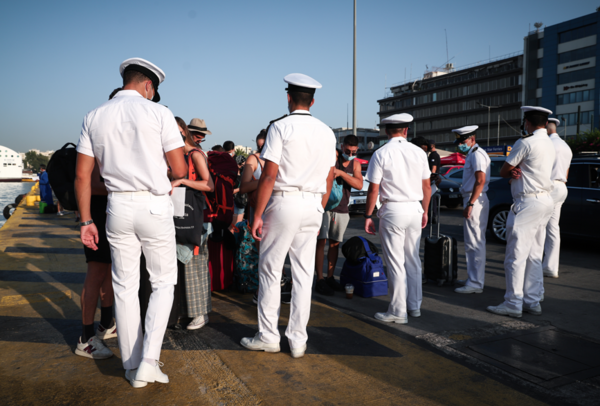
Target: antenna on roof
{"type": "Point", "coordinates": [538, 26]}
{"type": "Point", "coordinates": [447, 57]}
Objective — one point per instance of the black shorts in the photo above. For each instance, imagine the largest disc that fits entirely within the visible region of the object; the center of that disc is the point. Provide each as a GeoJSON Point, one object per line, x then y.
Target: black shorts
{"type": "Point", "coordinates": [98, 211]}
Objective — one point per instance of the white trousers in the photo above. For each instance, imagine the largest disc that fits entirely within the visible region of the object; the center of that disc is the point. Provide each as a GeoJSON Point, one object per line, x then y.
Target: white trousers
{"type": "Point", "coordinates": [525, 234]}
{"type": "Point", "coordinates": [400, 229]}
{"type": "Point", "coordinates": [290, 225]}
{"type": "Point", "coordinates": [474, 234]}
{"type": "Point", "coordinates": [136, 223]}
{"type": "Point", "coordinates": [552, 243]}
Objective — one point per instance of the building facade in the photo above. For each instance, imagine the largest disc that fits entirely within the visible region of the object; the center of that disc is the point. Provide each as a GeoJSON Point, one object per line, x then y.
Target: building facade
{"type": "Point", "coordinates": [365, 135]}
{"type": "Point", "coordinates": [560, 72]}
{"type": "Point", "coordinates": [447, 99]}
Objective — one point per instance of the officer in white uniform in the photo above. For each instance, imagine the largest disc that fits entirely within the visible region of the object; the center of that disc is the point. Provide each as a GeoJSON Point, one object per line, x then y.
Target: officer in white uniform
{"type": "Point", "coordinates": [530, 166]}
{"type": "Point", "coordinates": [132, 138]}
{"type": "Point", "coordinates": [560, 173]}
{"type": "Point", "coordinates": [476, 177]}
{"type": "Point", "coordinates": [399, 172]}
{"type": "Point", "coordinates": [300, 157]}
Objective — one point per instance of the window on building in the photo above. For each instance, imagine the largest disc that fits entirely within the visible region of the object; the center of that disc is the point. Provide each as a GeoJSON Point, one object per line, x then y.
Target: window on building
{"type": "Point", "coordinates": [577, 33]}
{"type": "Point", "coordinates": [540, 63]}
{"type": "Point", "coordinates": [571, 119]}
{"type": "Point", "coordinates": [576, 76]}
{"type": "Point", "coordinates": [577, 54]}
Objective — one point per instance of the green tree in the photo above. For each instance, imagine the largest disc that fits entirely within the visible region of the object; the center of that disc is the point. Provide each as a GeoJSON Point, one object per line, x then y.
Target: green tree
{"type": "Point", "coordinates": [239, 151]}
{"type": "Point", "coordinates": [33, 160]}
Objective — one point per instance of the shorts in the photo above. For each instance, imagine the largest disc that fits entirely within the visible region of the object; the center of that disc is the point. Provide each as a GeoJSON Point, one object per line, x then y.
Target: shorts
{"type": "Point", "coordinates": [98, 211]}
{"type": "Point", "coordinates": [333, 226]}
{"type": "Point", "coordinates": [238, 210]}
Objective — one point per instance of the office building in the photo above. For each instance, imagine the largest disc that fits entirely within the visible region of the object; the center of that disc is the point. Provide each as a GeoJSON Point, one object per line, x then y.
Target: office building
{"type": "Point", "coordinates": [445, 99]}
{"type": "Point", "coordinates": [560, 72]}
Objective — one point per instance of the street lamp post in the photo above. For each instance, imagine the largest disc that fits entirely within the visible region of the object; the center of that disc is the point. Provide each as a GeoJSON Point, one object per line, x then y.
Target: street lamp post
{"type": "Point", "coordinates": [489, 118]}
{"type": "Point", "coordinates": [354, 78]}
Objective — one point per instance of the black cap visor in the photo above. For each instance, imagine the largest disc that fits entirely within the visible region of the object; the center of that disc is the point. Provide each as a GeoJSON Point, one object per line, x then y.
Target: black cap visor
{"type": "Point", "coordinates": [460, 138]}
{"type": "Point", "coordinates": [300, 89]}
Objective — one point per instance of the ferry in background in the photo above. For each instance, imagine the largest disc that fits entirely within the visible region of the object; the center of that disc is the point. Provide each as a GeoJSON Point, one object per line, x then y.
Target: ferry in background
{"type": "Point", "coordinates": [11, 165]}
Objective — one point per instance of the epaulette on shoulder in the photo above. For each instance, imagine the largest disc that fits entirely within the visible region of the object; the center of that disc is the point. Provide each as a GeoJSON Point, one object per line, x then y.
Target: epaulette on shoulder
{"type": "Point", "coordinates": [475, 149]}
{"type": "Point", "coordinates": [277, 119]}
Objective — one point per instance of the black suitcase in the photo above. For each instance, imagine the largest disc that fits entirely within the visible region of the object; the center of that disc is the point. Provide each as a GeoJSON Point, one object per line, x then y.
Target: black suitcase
{"type": "Point", "coordinates": [441, 254]}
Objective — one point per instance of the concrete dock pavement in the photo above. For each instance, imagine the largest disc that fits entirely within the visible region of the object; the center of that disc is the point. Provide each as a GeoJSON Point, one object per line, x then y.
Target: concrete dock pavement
{"type": "Point", "coordinates": [352, 359]}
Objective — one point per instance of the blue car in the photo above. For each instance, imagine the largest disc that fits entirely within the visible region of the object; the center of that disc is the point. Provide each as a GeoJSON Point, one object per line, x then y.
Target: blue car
{"type": "Point", "coordinates": [580, 215]}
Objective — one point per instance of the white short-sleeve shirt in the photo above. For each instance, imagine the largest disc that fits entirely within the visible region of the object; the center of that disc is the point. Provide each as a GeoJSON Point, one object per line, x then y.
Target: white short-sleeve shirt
{"type": "Point", "coordinates": [535, 156]}
{"type": "Point", "coordinates": [399, 167]}
{"type": "Point", "coordinates": [562, 162]}
{"type": "Point", "coordinates": [129, 136]}
{"type": "Point", "coordinates": [304, 149]}
{"type": "Point", "coordinates": [477, 161]}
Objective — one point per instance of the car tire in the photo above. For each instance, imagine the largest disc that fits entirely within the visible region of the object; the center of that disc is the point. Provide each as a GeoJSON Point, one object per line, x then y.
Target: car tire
{"type": "Point", "coordinates": [497, 223]}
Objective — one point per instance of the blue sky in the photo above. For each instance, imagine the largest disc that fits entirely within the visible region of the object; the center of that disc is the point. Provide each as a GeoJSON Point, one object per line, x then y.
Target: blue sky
{"type": "Point", "coordinates": [225, 60]}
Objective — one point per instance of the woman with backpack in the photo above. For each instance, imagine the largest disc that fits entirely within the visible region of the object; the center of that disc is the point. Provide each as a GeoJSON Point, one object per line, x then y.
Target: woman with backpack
{"type": "Point", "coordinates": [194, 260]}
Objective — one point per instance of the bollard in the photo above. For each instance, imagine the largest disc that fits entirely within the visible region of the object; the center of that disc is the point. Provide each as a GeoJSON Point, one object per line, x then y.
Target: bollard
{"type": "Point", "coordinates": [30, 200]}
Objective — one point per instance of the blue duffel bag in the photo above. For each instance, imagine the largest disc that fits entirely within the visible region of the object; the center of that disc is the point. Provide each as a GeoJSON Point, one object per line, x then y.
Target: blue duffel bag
{"type": "Point", "coordinates": [366, 275]}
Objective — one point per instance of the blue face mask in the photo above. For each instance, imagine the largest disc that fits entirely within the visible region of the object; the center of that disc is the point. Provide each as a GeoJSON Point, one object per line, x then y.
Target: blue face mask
{"type": "Point", "coordinates": [464, 148]}
{"type": "Point", "coordinates": [348, 157]}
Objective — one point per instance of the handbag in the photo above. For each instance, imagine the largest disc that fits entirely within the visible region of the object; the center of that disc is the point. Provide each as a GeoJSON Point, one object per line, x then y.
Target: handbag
{"type": "Point", "coordinates": [337, 193]}
{"type": "Point", "coordinates": [245, 271]}
{"type": "Point", "coordinates": [190, 228]}
{"type": "Point", "coordinates": [367, 276]}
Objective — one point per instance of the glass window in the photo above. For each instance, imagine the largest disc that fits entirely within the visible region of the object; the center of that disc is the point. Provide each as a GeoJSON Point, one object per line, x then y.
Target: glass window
{"type": "Point", "coordinates": [579, 175]}
{"type": "Point", "coordinates": [586, 95]}
{"type": "Point", "coordinates": [595, 176]}
{"type": "Point", "coordinates": [457, 175]}
{"type": "Point", "coordinates": [495, 168]}
{"type": "Point", "coordinates": [576, 76]}
{"type": "Point", "coordinates": [577, 54]}
{"type": "Point", "coordinates": [577, 33]}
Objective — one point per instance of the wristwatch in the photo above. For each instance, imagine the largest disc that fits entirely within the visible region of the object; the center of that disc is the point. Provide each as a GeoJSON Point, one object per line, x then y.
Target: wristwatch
{"type": "Point", "coordinates": [470, 205]}
{"type": "Point", "coordinates": [86, 223]}
{"type": "Point", "coordinates": [367, 216]}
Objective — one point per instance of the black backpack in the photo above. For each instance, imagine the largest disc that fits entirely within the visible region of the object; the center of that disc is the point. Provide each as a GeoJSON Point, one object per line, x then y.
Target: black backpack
{"type": "Point", "coordinates": [354, 248]}
{"type": "Point", "coordinates": [61, 175]}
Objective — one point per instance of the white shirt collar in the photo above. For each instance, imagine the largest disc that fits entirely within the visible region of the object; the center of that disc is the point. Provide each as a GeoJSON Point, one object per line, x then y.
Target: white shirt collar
{"type": "Point", "coordinates": [554, 135]}
{"type": "Point", "coordinates": [476, 145]}
{"type": "Point", "coordinates": [130, 93]}
{"type": "Point", "coordinates": [305, 112]}
{"type": "Point", "coordinates": [540, 131]}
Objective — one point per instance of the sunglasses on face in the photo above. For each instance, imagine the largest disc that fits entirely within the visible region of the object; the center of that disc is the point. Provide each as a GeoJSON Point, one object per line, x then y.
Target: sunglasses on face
{"type": "Point", "coordinates": [350, 153]}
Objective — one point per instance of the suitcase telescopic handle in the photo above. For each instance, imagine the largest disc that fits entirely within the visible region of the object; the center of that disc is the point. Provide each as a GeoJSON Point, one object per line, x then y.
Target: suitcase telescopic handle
{"type": "Point", "coordinates": [438, 197]}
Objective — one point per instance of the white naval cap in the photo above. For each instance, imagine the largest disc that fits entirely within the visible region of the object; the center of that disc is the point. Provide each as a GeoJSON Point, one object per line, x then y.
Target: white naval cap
{"type": "Point", "coordinates": [401, 120]}
{"type": "Point", "coordinates": [153, 72]}
{"type": "Point", "coordinates": [299, 82]}
{"type": "Point", "coordinates": [535, 111]}
{"type": "Point", "coordinates": [465, 132]}
{"type": "Point", "coordinates": [554, 120]}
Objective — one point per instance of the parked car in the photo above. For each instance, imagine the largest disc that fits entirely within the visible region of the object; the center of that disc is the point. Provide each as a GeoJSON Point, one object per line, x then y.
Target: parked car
{"type": "Point", "coordinates": [496, 164]}
{"type": "Point", "coordinates": [450, 191]}
{"type": "Point", "coordinates": [447, 169]}
{"type": "Point", "coordinates": [580, 215]}
{"type": "Point", "coordinates": [358, 198]}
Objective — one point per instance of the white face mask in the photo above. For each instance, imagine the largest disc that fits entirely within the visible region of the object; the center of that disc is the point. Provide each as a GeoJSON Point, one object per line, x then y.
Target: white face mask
{"type": "Point", "coordinates": [348, 157]}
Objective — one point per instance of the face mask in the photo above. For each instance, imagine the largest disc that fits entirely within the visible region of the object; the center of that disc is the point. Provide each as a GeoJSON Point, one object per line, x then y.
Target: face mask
{"type": "Point", "coordinates": [464, 148]}
{"type": "Point", "coordinates": [348, 157]}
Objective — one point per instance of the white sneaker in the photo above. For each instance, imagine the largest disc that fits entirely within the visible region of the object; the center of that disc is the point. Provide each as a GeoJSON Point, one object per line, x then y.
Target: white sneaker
{"type": "Point", "coordinates": [536, 311]}
{"type": "Point", "coordinates": [298, 352]}
{"type": "Point", "coordinates": [198, 322]}
{"type": "Point", "coordinates": [93, 349]}
{"type": "Point", "coordinates": [461, 281]}
{"type": "Point", "coordinates": [390, 318]}
{"type": "Point", "coordinates": [504, 311]}
{"type": "Point", "coordinates": [106, 333]}
{"type": "Point", "coordinates": [550, 274]}
{"type": "Point", "coordinates": [149, 373]}
{"type": "Point", "coordinates": [256, 344]}
{"type": "Point", "coordinates": [130, 376]}
{"type": "Point", "coordinates": [468, 289]}
{"type": "Point", "coordinates": [414, 313]}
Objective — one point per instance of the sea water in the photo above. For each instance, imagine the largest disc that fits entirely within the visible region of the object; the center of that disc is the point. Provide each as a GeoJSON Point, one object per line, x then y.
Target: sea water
{"type": "Point", "coordinates": [9, 191]}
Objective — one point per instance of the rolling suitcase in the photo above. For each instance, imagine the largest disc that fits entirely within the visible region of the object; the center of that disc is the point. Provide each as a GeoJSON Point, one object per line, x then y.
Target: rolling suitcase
{"type": "Point", "coordinates": [441, 254]}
